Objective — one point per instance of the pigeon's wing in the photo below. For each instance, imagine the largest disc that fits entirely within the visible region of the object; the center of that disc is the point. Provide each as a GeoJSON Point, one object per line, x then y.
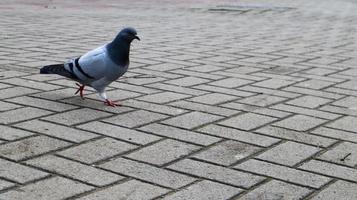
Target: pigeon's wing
{"type": "Point", "coordinates": [89, 67]}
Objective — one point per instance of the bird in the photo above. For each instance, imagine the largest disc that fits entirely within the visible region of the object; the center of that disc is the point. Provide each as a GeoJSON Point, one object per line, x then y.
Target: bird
{"type": "Point", "coordinates": [98, 67]}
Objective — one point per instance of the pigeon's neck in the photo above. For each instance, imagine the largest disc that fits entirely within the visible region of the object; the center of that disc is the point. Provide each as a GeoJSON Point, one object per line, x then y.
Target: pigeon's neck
{"type": "Point", "coordinates": [118, 51]}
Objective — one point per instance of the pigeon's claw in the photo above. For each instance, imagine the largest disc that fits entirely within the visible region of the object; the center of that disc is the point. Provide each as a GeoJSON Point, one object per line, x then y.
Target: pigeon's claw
{"type": "Point", "coordinates": [80, 90]}
{"type": "Point", "coordinates": [111, 103]}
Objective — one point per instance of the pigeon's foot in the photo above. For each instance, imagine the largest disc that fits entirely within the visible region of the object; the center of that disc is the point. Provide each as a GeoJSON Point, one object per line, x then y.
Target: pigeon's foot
{"type": "Point", "coordinates": [111, 103]}
{"type": "Point", "coordinates": [80, 90]}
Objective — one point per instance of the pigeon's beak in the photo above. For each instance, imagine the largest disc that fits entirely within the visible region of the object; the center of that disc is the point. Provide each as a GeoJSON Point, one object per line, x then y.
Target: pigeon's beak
{"type": "Point", "coordinates": [136, 37]}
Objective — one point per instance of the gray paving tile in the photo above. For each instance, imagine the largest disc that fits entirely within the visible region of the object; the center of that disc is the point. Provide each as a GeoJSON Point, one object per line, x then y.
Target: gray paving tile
{"type": "Point", "coordinates": [163, 152]}
{"type": "Point", "coordinates": [29, 147]}
{"type": "Point", "coordinates": [191, 120]}
{"type": "Point", "coordinates": [205, 190]}
{"type": "Point", "coordinates": [148, 173]}
{"type": "Point", "coordinates": [133, 190]}
{"type": "Point", "coordinates": [96, 150]}
{"type": "Point", "coordinates": [52, 188]}
{"type": "Point", "coordinates": [247, 121]}
{"type": "Point", "coordinates": [217, 173]}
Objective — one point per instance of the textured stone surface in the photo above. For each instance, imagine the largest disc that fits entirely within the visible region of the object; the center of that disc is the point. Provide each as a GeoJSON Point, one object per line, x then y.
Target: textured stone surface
{"type": "Point", "coordinates": [277, 190]}
{"type": "Point", "coordinates": [222, 100]}
{"type": "Point", "coordinates": [338, 190]}
{"type": "Point", "coordinates": [214, 172]}
{"type": "Point", "coordinates": [205, 190]}
{"type": "Point", "coordinates": [52, 188]}
{"type": "Point", "coordinates": [133, 190]}
{"type": "Point", "coordinates": [163, 152]}
{"type": "Point", "coordinates": [97, 150]}
{"type": "Point", "coordinates": [148, 173]}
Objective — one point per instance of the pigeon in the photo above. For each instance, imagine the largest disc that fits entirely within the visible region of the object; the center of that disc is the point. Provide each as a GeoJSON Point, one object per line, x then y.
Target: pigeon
{"type": "Point", "coordinates": [99, 67]}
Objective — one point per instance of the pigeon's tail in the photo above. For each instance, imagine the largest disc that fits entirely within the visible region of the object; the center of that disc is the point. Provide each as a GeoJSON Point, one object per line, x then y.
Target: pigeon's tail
{"type": "Point", "coordinates": [57, 69]}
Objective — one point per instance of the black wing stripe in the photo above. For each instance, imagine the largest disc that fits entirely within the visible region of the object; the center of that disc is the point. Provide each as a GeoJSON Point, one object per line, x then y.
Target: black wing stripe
{"type": "Point", "coordinates": [72, 72]}
{"type": "Point", "coordinates": [76, 64]}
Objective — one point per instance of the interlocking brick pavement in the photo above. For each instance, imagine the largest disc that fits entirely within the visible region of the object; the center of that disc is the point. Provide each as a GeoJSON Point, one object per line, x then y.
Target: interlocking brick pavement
{"type": "Point", "coordinates": [251, 100]}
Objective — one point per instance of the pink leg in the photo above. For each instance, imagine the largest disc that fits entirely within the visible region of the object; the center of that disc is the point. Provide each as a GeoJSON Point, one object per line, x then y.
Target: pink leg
{"type": "Point", "coordinates": [111, 103]}
{"type": "Point", "coordinates": [80, 90]}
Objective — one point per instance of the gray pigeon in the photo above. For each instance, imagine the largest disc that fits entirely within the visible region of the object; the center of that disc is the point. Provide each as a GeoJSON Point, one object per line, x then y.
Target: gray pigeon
{"type": "Point", "coordinates": [99, 67]}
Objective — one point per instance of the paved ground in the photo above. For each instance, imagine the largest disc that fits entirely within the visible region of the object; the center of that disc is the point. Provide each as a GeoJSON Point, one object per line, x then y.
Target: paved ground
{"type": "Point", "coordinates": [230, 100]}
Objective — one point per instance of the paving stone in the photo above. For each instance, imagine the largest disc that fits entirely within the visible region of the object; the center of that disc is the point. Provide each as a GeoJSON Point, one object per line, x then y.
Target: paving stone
{"type": "Point", "coordinates": [15, 91]}
{"type": "Point", "coordinates": [9, 133]}
{"type": "Point", "coordinates": [18, 172]}
{"type": "Point", "coordinates": [97, 150]}
{"type": "Point", "coordinates": [217, 173]}
{"type": "Point", "coordinates": [345, 123]}
{"type": "Point", "coordinates": [59, 131]}
{"type": "Point", "coordinates": [275, 92]}
{"type": "Point", "coordinates": [239, 135]}
{"type": "Point", "coordinates": [148, 173]}
{"type": "Point", "coordinates": [309, 101]}
{"type": "Point", "coordinates": [75, 170]}
{"type": "Point", "coordinates": [159, 108]}
{"type": "Point", "coordinates": [299, 122]}
{"type": "Point", "coordinates": [31, 84]}
{"type": "Point", "coordinates": [297, 136]}
{"type": "Point", "coordinates": [41, 103]}
{"type": "Point", "coordinates": [187, 81]}
{"type": "Point", "coordinates": [163, 97]}
{"type": "Point", "coordinates": [5, 184]}
{"type": "Point", "coordinates": [130, 190]}
{"type": "Point", "coordinates": [21, 114]}
{"type": "Point", "coordinates": [55, 94]}
{"type": "Point", "coordinates": [29, 147]}
{"type": "Point", "coordinates": [204, 76]}
{"type": "Point", "coordinates": [306, 111]}
{"type": "Point", "coordinates": [164, 67]}
{"type": "Point", "coordinates": [351, 84]}
{"type": "Point", "coordinates": [135, 118]}
{"type": "Point", "coordinates": [227, 152]}
{"type": "Point", "coordinates": [256, 109]}
{"type": "Point", "coordinates": [76, 116]}
{"type": "Point", "coordinates": [348, 102]}
{"type": "Point", "coordinates": [4, 106]}
{"type": "Point", "coordinates": [191, 120]}
{"type": "Point", "coordinates": [262, 100]}
{"type": "Point", "coordinates": [336, 134]}
{"type": "Point", "coordinates": [274, 83]}
{"type": "Point", "coordinates": [330, 169]}
{"type": "Point", "coordinates": [205, 68]}
{"type": "Point", "coordinates": [135, 88]}
{"type": "Point", "coordinates": [142, 81]}
{"type": "Point", "coordinates": [277, 190]}
{"type": "Point", "coordinates": [344, 154]}
{"type": "Point", "coordinates": [247, 121]}
{"type": "Point", "coordinates": [213, 98]}
{"type": "Point", "coordinates": [288, 153]}
{"type": "Point", "coordinates": [205, 190]}
{"type": "Point", "coordinates": [284, 173]}
{"type": "Point", "coordinates": [229, 91]}
{"type": "Point", "coordinates": [311, 92]}
{"type": "Point", "coordinates": [204, 108]}
{"type": "Point", "coordinates": [163, 152]}
{"type": "Point", "coordinates": [338, 190]}
{"type": "Point", "coordinates": [314, 84]}
{"type": "Point", "coordinates": [177, 89]}
{"type": "Point", "coordinates": [180, 134]}
{"type": "Point", "coordinates": [121, 133]}
{"type": "Point", "coordinates": [230, 82]}
{"type": "Point", "coordinates": [52, 188]}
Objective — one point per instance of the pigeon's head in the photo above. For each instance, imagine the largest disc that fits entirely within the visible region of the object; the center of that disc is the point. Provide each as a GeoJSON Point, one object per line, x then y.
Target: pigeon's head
{"type": "Point", "coordinates": [128, 34]}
